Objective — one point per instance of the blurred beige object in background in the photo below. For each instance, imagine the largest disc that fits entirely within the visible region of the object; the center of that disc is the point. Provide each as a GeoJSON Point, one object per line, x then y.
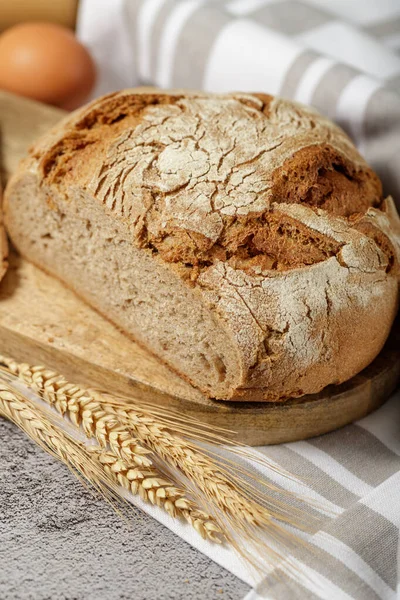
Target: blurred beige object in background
{"type": "Point", "coordinates": [55, 11]}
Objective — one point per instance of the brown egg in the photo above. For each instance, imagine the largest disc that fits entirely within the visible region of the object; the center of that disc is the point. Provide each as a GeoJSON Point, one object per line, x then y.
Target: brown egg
{"type": "Point", "coordinates": [46, 62]}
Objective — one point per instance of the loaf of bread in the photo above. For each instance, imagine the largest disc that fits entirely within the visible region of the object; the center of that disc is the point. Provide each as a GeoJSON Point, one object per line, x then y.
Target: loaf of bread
{"type": "Point", "coordinates": [241, 238]}
{"type": "Point", "coordinates": [3, 245]}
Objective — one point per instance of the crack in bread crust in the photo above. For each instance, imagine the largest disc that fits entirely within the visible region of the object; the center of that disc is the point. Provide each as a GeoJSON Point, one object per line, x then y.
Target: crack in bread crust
{"type": "Point", "coordinates": [197, 177]}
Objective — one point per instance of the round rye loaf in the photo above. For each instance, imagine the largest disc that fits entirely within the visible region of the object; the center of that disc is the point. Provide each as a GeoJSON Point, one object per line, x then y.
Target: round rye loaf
{"type": "Point", "coordinates": [241, 238]}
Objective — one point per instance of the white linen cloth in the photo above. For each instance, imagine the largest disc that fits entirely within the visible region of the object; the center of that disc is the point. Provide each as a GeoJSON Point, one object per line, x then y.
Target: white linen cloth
{"type": "Point", "coordinates": [343, 57]}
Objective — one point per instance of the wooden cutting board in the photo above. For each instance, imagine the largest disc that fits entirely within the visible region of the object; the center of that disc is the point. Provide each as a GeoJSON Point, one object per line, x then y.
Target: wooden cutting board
{"type": "Point", "coordinates": [41, 321]}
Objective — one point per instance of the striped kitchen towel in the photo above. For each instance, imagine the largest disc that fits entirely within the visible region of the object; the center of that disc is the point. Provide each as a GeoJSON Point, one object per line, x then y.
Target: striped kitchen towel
{"type": "Point", "coordinates": [343, 57]}
{"type": "Point", "coordinates": [356, 552]}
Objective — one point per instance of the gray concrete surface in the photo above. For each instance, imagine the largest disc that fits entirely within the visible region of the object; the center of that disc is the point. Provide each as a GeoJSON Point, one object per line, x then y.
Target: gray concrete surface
{"type": "Point", "coordinates": [58, 542]}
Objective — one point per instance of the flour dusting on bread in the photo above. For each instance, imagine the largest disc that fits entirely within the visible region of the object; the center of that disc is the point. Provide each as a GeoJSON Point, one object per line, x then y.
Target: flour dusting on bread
{"type": "Point", "coordinates": [240, 237]}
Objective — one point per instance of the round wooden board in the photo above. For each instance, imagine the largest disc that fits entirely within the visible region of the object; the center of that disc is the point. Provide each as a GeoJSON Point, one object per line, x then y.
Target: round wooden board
{"type": "Point", "coordinates": [43, 322]}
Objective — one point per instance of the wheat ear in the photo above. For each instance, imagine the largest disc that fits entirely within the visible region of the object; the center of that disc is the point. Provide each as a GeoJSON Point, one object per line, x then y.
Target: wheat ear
{"type": "Point", "coordinates": [227, 497]}
{"type": "Point", "coordinates": [28, 417]}
{"type": "Point", "coordinates": [150, 487]}
{"type": "Point", "coordinates": [123, 428]}
{"type": "Point", "coordinates": [127, 462]}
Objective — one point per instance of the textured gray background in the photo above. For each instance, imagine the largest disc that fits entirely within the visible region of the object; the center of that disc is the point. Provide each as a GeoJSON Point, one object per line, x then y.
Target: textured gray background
{"type": "Point", "coordinates": [58, 542]}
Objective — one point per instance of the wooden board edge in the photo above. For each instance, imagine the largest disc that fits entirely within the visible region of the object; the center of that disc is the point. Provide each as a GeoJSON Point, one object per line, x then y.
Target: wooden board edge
{"type": "Point", "coordinates": [255, 423]}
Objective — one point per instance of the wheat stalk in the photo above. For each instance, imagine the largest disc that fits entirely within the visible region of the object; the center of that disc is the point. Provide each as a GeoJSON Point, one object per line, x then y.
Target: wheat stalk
{"type": "Point", "coordinates": [102, 468]}
{"type": "Point", "coordinates": [127, 462]}
{"type": "Point", "coordinates": [28, 417]}
{"type": "Point", "coordinates": [108, 472]}
{"type": "Point", "coordinates": [150, 487]}
{"type": "Point", "coordinates": [122, 427]}
{"type": "Point", "coordinates": [127, 430]}
{"type": "Point", "coordinates": [232, 502]}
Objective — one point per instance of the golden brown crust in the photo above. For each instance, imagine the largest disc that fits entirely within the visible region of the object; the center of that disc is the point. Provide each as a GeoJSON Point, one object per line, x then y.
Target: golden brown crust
{"type": "Point", "coordinates": [386, 245]}
{"type": "Point", "coordinates": [301, 328]}
{"type": "Point", "coordinates": [262, 205]}
{"type": "Point", "coordinates": [269, 241]}
{"type": "Point", "coordinates": [328, 174]}
{"type": "Point", "coordinates": [321, 177]}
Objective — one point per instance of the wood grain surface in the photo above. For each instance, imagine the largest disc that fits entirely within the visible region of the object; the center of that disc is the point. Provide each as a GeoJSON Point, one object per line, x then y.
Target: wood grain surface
{"type": "Point", "coordinates": [41, 321]}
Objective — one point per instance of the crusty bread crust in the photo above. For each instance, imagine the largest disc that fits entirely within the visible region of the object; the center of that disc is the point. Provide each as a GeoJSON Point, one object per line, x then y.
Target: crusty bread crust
{"type": "Point", "coordinates": [260, 206]}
